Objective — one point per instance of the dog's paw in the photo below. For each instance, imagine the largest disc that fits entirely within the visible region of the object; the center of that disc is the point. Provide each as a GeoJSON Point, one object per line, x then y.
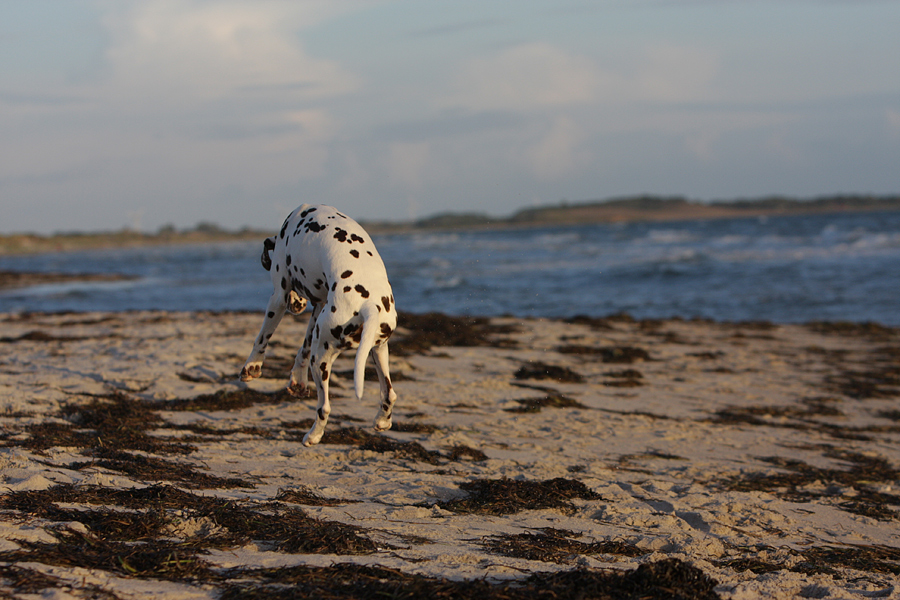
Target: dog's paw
{"type": "Point", "coordinates": [382, 423]}
{"type": "Point", "coordinates": [297, 389]}
{"type": "Point", "coordinates": [251, 371]}
{"type": "Point", "coordinates": [311, 440]}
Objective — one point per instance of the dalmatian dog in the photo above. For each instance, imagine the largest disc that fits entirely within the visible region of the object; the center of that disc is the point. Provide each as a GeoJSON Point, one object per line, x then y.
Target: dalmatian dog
{"type": "Point", "coordinates": [326, 258]}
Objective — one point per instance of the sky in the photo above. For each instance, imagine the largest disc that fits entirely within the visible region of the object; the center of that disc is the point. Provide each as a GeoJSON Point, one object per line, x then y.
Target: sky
{"type": "Point", "coordinates": [142, 114]}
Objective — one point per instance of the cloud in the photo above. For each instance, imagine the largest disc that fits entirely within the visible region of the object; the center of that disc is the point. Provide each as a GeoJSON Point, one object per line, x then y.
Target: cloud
{"type": "Point", "coordinates": [672, 73]}
{"type": "Point", "coordinates": [524, 77]}
{"type": "Point", "coordinates": [175, 51]}
{"type": "Point", "coordinates": [557, 153]}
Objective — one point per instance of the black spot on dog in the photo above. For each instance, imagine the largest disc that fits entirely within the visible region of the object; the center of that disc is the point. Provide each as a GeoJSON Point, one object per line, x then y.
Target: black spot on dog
{"type": "Point", "coordinates": [356, 238]}
{"type": "Point", "coordinates": [308, 211]}
{"type": "Point", "coordinates": [321, 413]}
{"type": "Point", "coordinates": [386, 331]}
{"type": "Point", "coordinates": [334, 286]}
{"type": "Point", "coordinates": [302, 274]}
{"type": "Point", "coordinates": [326, 345]}
{"type": "Point", "coordinates": [287, 260]}
{"type": "Point", "coordinates": [355, 253]}
{"type": "Point", "coordinates": [340, 235]}
{"type": "Point", "coordinates": [265, 259]}
{"type": "Point", "coordinates": [271, 314]}
{"type": "Point", "coordinates": [346, 274]}
{"type": "Point", "coordinates": [283, 283]}
{"type": "Point", "coordinates": [347, 288]}
{"type": "Point", "coordinates": [277, 269]}
{"type": "Point", "coordinates": [369, 253]}
{"type": "Point", "coordinates": [333, 308]}
{"type": "Point", "coordinates": [314, 227]}
{"type": "Point", "coordinates": [336, 332]}
{"type": "Point", "coordinates": [362, 291]}
{"type": "Point", "coordinates": [324, 369]}
{"type": "Point", "coordinates": [318, 284]}
{"type": "Point", "coordinates": [284, 226]}
{"type": "Point", "coordinates": [387, 303]}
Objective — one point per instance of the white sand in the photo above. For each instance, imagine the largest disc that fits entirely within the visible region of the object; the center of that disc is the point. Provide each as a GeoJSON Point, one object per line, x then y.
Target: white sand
{"type": "Point", "coordinates": [654, 452]}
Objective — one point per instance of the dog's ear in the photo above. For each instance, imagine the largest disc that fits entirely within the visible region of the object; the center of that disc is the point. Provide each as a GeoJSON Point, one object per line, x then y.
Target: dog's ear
{"type": "Point", "coordinates": [265, 259]}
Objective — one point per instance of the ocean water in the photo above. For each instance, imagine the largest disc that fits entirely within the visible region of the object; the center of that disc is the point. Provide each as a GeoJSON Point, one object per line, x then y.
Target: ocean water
{"type": "Point", "coordinates": [782, 269]}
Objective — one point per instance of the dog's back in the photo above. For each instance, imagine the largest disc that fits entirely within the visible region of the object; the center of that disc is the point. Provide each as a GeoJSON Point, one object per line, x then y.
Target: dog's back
{"type": "Point", "coordinates": [320, 251]}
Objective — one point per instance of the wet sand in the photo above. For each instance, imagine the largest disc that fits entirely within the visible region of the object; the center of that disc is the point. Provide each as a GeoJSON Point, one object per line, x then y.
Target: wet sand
{"type": "Point", "coordinates": [687, 458]}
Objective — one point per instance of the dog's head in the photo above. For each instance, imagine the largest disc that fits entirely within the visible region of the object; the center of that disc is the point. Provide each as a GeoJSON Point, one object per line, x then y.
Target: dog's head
{"type": "Point", "coordinates": [296, 303]}
{"type": "Point", "coordinates": [265, 259]}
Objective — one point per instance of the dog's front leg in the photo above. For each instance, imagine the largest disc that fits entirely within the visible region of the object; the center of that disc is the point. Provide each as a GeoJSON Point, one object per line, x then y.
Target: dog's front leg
{"type": "Point", "coordinates": [274, 312]}
{"type": "Point", "coordinates": [299, 374]}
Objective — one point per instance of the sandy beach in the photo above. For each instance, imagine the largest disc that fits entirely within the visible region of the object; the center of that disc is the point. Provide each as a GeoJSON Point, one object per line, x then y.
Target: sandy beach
{"type": "Point", "coordinates": [529, 458]}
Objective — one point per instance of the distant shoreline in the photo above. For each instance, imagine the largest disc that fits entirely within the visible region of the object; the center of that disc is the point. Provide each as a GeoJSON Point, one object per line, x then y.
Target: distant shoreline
{"type": "Point", "coordinates": [622, 210]}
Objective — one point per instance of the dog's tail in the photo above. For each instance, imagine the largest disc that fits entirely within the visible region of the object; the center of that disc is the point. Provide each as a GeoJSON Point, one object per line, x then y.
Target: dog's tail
{"type": "Point", "coordinates": [369, 312]}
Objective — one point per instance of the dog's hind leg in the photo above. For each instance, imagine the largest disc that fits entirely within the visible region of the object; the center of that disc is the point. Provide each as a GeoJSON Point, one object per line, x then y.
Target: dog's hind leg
{"type": "Point", "coordinates": [322, 360]}
{"type": "Point", "coordinates": [274, 312]}
{"type": "Point", "coordinates": [388, 396]}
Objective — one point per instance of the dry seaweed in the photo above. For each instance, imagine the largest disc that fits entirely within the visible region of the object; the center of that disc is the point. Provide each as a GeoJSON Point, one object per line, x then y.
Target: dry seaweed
{"type": "Point", "coordinates": [355, 436]}
{"type": "Point", "coordinates": [149, 468]}
{"type": "Point", "coordinates": [421, 332]}
{"type": "Point", "coordinates": [554, 545]}
{"type": "Point", "coordinates": [407, 427]}
{"type": "Point", "coordinates": [508, 496]}
{"type": "Point", "coordinates": [23, 580]}
{"type": "Point", "coordinates": [608, 354]}
{"type": "Point", "coordinates": [794, 485]}
{"type": "Point", "coordinates": [224, 400]}
{"type": "Point", "coordinates": [106, 421]}
{"type": "Point", "coordinates": [288, 529]}
{"type": "Point", "coordinates": [157, 559]}
{"type": "Point", "coordinates": [844, 328]}
{"type": "Point", "coordinates": [534, 405]}
{"type": "Point", "coordinates": [671, 579]}
{"type": "Point", "coordinates": [871, 559]}
{"type": "Point", "coordinates": [303, 495]}
{"type": "Point", "coordinates": [459, 452]}
{"type": "Point", "coordinates": [624, 378]}
{"type": "Point", "coordinates": [540, 370]}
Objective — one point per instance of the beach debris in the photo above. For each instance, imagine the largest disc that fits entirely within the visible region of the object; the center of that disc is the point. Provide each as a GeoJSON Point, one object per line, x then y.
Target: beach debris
{"type": "Point", "coordinates": [541, 370]}
{"type": "Point", "coordinates": [507, 496]}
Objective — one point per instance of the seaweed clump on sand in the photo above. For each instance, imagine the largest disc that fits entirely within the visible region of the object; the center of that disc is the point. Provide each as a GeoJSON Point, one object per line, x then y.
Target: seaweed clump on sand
{"type": "Point", "coordinates": [421, 332]}
{"type": "Point", "coordinates": [608, 354]}
{"type": "Point", "coordinates": [111, 421]}
{"type": "Point", "coordinates": [508, 496]}
{"type": "Point", "coordinates": [803, 483]}
{"type": "Point", "coordinates": [541, 370]}
{"type": "Point", "coordinates": [552, 400]}
{"type": "Point", "coordinates": [148, 537]}
{"type": "Point", "coordinates": [555, 545]}
{"type": "Point", "coordinates": [671, 578]}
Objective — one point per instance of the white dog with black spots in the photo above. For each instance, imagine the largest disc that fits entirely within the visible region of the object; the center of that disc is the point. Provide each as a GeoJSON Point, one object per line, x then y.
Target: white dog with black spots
{"type": "Point", "coordinates": [326, 258]}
